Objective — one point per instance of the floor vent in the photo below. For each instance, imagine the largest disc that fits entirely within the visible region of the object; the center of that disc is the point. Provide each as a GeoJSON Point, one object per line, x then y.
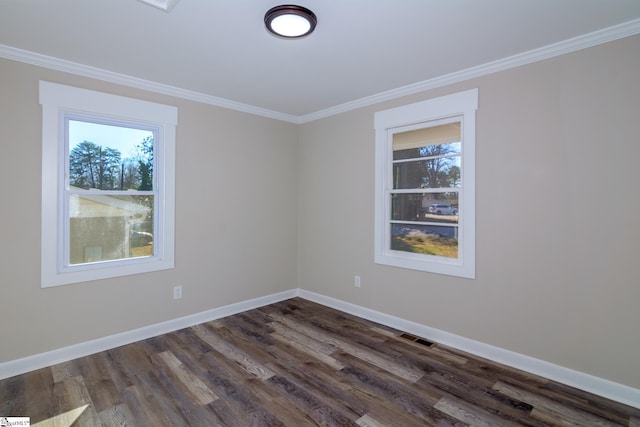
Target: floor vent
{"type": "Point", "coordinates": [417, 339]}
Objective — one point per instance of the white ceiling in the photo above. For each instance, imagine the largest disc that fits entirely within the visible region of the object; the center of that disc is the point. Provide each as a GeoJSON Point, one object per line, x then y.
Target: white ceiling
{"type": "Point", "coordinates": [218, 51]}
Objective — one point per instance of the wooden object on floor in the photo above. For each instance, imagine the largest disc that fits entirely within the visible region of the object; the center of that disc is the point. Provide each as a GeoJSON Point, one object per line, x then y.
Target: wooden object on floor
{"type": "Point", "coordinates": [296, 363]}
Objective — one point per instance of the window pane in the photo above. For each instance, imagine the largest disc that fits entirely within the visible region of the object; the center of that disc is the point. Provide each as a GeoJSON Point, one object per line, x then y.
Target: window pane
{"type": "Point", "coordinates": [442, 172]}
{"type": "Point", "coordinates": [428, 135]}
{"type": "Point", "coordinates": [427, 151]}
{"type": "Point", "coordinates": [430, 207]}
{"type": "Point", "coordinates": [107, 228]}
{"type": "Point", "coordinates": [425, 239]}
{"type": "Point", "coordinates": [110, 157]}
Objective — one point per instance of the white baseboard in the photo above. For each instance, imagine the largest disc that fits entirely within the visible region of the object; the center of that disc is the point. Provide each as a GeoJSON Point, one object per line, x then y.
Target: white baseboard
{"type": "Point", "coordinates": [42, 360]}
{"type": "Point", "coordinates": [598, 386]}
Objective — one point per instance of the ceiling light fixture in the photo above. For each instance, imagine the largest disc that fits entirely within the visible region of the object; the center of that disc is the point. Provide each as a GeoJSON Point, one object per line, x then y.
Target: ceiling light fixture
{"type": "Point", "coordinates": [290, 21]}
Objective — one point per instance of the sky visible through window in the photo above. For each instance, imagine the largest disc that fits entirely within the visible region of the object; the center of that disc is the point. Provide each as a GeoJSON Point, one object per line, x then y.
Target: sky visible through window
{"type": "Point", "coordinates": [123, 139]}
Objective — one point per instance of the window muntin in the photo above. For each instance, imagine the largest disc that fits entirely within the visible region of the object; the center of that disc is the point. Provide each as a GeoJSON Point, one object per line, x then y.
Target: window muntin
{"type": "Point", "coordinates": [115, 225]}
{"type": "Point", "coordinates": [425, 189]}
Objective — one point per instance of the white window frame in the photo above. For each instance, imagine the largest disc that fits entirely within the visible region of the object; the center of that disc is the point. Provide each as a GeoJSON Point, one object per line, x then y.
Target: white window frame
{"type": "Point", "coordinates": [387, 122]}
{"type": "Point", "coordinates": [60, 102]}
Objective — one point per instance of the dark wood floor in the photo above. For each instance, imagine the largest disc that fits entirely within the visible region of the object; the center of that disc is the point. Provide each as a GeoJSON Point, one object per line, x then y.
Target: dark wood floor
{"type": "Point", "coordinates": [296, 363]}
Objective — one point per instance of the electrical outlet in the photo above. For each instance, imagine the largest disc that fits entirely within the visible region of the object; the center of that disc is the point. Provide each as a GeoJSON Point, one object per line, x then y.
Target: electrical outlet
{"type": "Point", "coordinates": [177, 292]}
{"type": "Point", "coordinates": [356, 281]}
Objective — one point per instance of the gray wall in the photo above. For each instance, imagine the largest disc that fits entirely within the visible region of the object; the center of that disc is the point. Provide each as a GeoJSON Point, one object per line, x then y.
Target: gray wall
{"type": "Point", "coordinates": [236, 201]}
{"type": "Point", "coordinates": [265, 206]}
{"type": "Point", "coordinates": [558, 276]}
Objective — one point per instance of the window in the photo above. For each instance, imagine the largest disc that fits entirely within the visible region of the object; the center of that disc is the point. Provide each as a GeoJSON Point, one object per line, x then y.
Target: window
{"type": "Point", "coordinates": [425, 189]}
{"type": "Point", "coordinates": [108, 166]}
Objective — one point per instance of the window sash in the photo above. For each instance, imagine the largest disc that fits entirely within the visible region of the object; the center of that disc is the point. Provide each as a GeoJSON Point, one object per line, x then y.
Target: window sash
{"type": "Point", "coordinates": [70, 192]}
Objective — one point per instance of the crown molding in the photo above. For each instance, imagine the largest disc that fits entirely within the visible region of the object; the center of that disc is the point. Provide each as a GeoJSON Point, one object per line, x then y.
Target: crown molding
{"type": "Point", "coordinates": [605, 35]}
{"type": "Point", "coordinates": [58, 64]}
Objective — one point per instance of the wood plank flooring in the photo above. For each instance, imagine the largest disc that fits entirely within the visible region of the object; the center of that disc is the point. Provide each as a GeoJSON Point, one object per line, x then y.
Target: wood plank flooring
{"type": "Point", "coordinates": [296, 363]}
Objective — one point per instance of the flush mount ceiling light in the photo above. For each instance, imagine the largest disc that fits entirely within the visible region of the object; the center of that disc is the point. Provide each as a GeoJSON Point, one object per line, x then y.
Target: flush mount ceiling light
{"type": "Point", "coordinates": [290, 21]}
